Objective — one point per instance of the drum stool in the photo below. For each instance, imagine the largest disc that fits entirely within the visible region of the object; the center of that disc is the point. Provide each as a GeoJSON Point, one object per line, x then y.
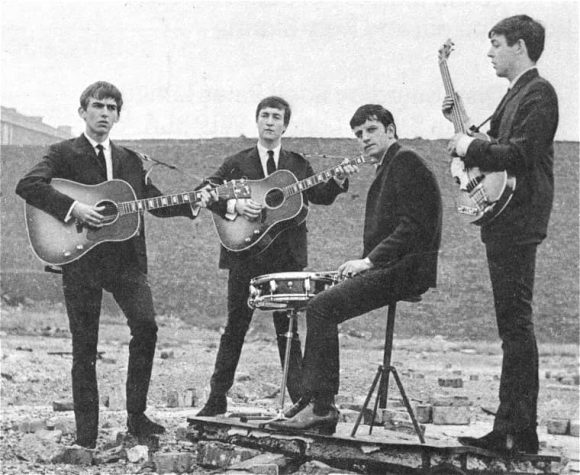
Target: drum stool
{"type": "Point", "coordinates": [382, 375]}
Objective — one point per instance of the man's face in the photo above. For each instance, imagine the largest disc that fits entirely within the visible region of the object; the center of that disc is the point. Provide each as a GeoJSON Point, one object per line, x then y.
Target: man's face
{"type": "Point", "coordinates": [374, 138]}
{"type": "Point", "coordinates": [100, 116]}
{"type": "Point", "coordinates": [503, 57]}
{"type": "Point", "coordinates": [270, 124]}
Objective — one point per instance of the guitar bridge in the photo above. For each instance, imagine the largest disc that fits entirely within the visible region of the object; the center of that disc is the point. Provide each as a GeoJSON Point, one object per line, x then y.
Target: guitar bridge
{"type": "Point", "coordinates": [468, 210]}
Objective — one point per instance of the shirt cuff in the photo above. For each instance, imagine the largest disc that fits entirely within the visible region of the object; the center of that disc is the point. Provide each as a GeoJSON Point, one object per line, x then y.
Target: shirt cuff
{"type": "Point", "coordinates": [195, 208]}
{"type": "Point", "coordinates": [231, 210]}
{"type": "Point", "coordinates": [68, 216]}
{"type": "Point", "coordinates": [463, 144]}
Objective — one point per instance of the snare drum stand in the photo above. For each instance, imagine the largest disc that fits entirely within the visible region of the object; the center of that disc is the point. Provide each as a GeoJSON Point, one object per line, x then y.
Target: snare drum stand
{"type": "Point", "coordinates": [292, 314]}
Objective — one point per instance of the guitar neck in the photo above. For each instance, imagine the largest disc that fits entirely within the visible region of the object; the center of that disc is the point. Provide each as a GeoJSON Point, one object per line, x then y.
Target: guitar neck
{"type": "Point", "coordinates": [322, 176]}
{"type": "Point", "coordinates": [458, 115]}
{"type": "Point", "coordinates": [189, 197]}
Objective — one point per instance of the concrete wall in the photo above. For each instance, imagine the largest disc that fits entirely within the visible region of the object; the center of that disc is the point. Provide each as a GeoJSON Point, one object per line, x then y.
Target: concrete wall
{"type": "Point", "coordinates": [19, 129]}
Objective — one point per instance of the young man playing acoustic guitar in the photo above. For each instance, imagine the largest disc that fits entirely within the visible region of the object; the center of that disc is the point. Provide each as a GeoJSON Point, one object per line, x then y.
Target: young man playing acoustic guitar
{"type": "Point", "coordinates": [117, 267]}
{"type": "Point", "coordinates": [522, 143]}
{"type": "Point", "coordinates": [287, 253]}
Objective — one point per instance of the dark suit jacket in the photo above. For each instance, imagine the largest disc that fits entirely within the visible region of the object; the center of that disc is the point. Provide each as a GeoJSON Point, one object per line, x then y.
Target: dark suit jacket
{"type": "Point", "coordinates": [75, 160]}
{"type": "Point", "coordinates": [246, 164]}
{"type": "Point", "coordinates": [522, 131]}
{"type": "Point", "coordinates": [403, 218]}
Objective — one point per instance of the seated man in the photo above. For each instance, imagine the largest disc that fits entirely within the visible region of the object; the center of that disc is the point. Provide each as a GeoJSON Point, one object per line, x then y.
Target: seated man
{"type": "Point", "coordinates": [402, 234]}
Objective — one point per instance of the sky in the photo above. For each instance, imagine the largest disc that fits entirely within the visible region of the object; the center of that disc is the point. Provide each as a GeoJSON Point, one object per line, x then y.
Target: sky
{"type": "Point", "coordinates": [197, 69]}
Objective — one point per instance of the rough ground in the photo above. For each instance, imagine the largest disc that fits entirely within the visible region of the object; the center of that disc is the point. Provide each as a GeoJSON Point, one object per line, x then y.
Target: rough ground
{"type": "Point", "coordinates": [32, 379]}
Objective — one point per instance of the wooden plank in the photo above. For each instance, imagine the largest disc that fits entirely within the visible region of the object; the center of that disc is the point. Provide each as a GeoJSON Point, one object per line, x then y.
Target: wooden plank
{"type": "Point", "coordinates": [386, 453]}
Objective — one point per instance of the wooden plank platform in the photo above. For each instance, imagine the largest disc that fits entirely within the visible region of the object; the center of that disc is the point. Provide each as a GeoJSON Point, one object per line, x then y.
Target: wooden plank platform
{"type": "Point", "coordinates": [382, 452]}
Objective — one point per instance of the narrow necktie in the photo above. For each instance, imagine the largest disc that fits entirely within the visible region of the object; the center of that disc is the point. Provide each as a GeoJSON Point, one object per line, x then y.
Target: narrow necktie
{"type": "Point", "coordinates": [270, 164]}
{"type": "Point", "coordinates": [101, 157]}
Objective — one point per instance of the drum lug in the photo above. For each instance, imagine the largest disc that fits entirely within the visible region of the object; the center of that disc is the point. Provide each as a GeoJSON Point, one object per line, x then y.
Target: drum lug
{"type": "Point", "coordinates": [273, 286]}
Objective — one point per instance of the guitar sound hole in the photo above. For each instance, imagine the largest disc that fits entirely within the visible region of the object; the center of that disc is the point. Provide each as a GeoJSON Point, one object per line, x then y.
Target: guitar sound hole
{"type": "Point", "coordinates": [274, 198]}
{"type": "Point", "coordinates": [110, 212]}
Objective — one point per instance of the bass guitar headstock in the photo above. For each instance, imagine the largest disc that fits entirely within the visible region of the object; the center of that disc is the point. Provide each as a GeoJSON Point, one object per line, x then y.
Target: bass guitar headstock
{"type": "Point", "coordinates": [445, 50]}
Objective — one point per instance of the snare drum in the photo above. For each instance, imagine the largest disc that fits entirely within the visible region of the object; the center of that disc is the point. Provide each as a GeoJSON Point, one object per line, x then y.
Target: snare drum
{"type": "Point", "coordinates": [288, 290]}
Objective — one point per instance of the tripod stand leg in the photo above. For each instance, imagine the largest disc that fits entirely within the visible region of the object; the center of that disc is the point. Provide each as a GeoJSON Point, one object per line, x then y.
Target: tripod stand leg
{"type": "Point", "coordinates": [366, 403]}
{"type": "Point", "coordinates": [408, 405]}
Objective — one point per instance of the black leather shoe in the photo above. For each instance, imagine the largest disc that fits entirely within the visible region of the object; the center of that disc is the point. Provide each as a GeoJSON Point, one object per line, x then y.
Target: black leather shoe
{"type": "Point", "coordinates": [307, 421]}
{"type": "Point", "coordinates": [214, 406]}
{"type": "Point", "coordinates": [296, 408]}
{"type": "Point", "coordinates": [140, 425]}
{"type": "Point", "coordinates": [86, 443]}
{"type": "Point", "coordinates": [523, 442]}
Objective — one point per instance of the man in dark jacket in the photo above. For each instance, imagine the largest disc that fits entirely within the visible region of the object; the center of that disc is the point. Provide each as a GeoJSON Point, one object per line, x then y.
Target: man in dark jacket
{"type": "Point", "coordinates": [117, 267]}
{"type": "Point", "coordinates": [402, 234]}
{"type": "Point", "coordinates": [287, 252]}
{"type": "Point", "coordinates": [522, 133]}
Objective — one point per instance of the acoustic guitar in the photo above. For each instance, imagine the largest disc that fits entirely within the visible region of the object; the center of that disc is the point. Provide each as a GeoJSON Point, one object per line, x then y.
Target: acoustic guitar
{"type": "Point", "coordinates": [280, 195]}
{"type": "Point", "coordinates": [58, 243]}
{"type": "Point", "coordinates": [482, 195]}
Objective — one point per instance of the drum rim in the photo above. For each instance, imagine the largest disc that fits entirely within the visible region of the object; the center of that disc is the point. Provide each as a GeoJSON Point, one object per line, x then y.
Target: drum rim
{"type": "Point", "coordinates": [330, 276]}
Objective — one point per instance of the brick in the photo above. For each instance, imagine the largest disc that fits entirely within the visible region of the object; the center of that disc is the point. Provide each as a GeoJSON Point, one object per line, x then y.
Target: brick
{"type": "Point", "coordinates": [348, 416]}
{"type": "Point", "coordinates": [173, 462]}
{"type": "Point", "coordinates": [558, 426]}
{"type": "Point", "coordinates": [451, 415]}
{"type": "Point", "coordinates": [404, 427]}
{"type": "Point", "coordinates": [220, 455]}
{"type": "Point", "coordinates": [188, 398]}
{"type": "Point", "coordinates": [445, 400]}
{"type": "Point", "coordinates": [61, 406]}
{"type": "Point", "coordinates": [76, 455]}
{"type": "Point", "coordinates": [450, 382]}
{"type": "Point", "coordinates": [181, 431]}
{"type": "Point", "coordinates": [108, 361]}
{"type": "Point", "coordinates": [267, 464]}
{"type": "Point", "coordinates": [32, 426]}
{"type": "Point", "coordinates": [138, 453]}
{"type": "Point", "coordinates": [424, 413]}
{"type": "Point", "coordinates": [574, 423]}
{"type": "Point", "coordinates": [474, 377]}
{"type": "Point", "coordinates": [117, 401]}
{"type": "Point", "coordinates": [53, 435]}
{"type": "Point", "coordinates": [172, 398]}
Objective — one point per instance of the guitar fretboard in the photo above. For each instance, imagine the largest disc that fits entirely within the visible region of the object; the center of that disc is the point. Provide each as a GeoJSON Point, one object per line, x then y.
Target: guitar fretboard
{"type": "Point", "coordinates": [321, 177]}
{"type": "Point", "coordinates": [457, 113]}
{"type": "Point", "coordinates": [147, 204]}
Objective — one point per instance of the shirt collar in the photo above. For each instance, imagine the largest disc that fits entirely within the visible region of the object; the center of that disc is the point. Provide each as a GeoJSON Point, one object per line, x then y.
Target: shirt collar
{"type": "Point", "coordinates": [106, 143]}
{"type": "Point", "coordinates": [263, 152]}
{"type": "Point", "coordinates": [516, 79]}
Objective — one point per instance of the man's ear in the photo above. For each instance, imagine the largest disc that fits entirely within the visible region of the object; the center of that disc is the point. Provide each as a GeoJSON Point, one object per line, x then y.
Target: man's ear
{"type": "Point", "coordinates": [82, 113]}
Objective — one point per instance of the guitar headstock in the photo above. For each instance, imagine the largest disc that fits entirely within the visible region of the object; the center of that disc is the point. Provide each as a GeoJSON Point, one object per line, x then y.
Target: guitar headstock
{"type": "Point", "coordinates": [234, 189]}
{"type": "Point", "coordinates": [445, 50]}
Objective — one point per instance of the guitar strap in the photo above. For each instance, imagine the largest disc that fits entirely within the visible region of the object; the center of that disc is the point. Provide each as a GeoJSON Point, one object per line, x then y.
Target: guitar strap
{"type": "Point", "coordinates": [475, 129]}
{"type": "Point", "coordinates": [146, 158]}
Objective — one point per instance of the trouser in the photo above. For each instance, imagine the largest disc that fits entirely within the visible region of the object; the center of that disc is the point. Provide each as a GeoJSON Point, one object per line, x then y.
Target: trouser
{"type": "Point", "coordinates": [511, 269]}
{"type": "Point", "coordinates": [83, 284]}
{"type": "Point", "coordinates": [372, 289]}
{"type": "Point", "coordinates": [238, 321]}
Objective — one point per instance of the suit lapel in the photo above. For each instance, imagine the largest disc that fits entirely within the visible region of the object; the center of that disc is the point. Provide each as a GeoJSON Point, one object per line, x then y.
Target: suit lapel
{"type": "Point", "coordinates": [84, 148]}
{"type": "Point", "coordinates": [116, 157]}
{"type": "Point", "coordinates": [255, 164]}
{"type": "Point", "coordinates": [526, 78]}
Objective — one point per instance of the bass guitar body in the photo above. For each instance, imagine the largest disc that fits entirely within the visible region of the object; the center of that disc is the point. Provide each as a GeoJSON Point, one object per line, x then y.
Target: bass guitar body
{"type": "Point", "coordinates": [58, 243]}
{"type": "Point", "coordinates": [482, 195]}
{"type": "Point", "coordinates": [280, 210]}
